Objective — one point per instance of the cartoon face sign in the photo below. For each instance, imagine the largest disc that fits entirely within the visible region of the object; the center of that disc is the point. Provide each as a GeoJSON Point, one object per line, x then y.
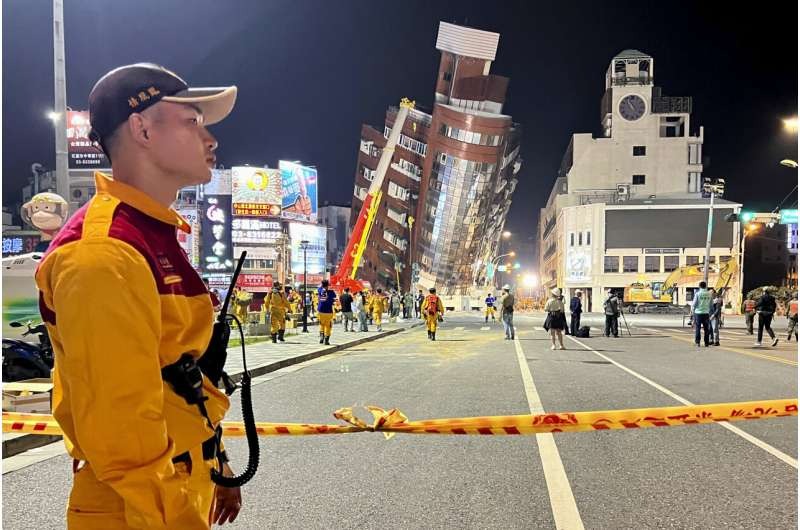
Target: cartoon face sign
{"type": "Point", "coordinates": [46, 211]}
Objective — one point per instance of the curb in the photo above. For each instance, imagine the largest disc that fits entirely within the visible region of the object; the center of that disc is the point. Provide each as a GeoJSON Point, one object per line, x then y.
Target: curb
{"type": "Point", "coordinates": [283, 363]}
{"type": "Point", "coordinates": [19, 444]}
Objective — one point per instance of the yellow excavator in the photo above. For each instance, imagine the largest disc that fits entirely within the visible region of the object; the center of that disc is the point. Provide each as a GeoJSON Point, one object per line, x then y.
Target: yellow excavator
{"type": "Point", "coordinates": [661, 293]}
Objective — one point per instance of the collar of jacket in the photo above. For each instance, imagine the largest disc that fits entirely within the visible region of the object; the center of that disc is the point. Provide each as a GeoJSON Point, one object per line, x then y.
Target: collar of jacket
{"type": "Point", "coordinates": [139, 200]}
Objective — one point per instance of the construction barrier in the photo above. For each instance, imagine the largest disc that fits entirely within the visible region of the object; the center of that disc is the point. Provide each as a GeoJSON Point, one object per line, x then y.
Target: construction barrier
{"type": "Point", "coordinates": [393, 421]}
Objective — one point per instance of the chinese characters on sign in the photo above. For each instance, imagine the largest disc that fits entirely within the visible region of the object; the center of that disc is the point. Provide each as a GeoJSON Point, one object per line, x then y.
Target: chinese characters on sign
{"type": "Point", "coordinates": [256, 191]}
{"type": "Point", "coordinates": [83, 153]}
{"type": "Point", "coordinates": [22, 244]}
{"type": "Point", "coordinates": [255, 231]}
{"type": "Point", "coordinates": [189, 242]}
{"type": "Point", "coordinates": [217, 255]}
{"type": "Point", "coordinates": [255, 282]}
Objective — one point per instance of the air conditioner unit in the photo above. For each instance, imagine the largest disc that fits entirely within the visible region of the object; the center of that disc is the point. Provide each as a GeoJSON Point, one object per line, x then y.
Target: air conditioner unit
{"type": "Point", "coordinates": [623, 191]}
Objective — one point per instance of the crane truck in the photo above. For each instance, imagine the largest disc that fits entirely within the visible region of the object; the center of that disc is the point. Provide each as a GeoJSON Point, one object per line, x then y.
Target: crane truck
{"type": "Point", "coordinates": [347, 272]}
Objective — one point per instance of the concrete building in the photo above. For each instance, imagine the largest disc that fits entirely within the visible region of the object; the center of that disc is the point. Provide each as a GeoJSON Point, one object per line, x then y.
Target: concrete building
{"type": "Point", "coordinates": [336, 218]}
{"type": "Point", "coordinates": [627, 207]}
{"type": "Point", "coordinates": [449, 188]}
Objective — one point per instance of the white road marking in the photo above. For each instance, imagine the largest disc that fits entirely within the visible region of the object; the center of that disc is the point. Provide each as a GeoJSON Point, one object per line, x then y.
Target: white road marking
{"type": "Point", "coordinates": [562, 501]}
{"type": "Point", "coordinates": [458, 328]}
{"type": "Point", "coordinates": [485, 328]}
{"type": "Point", "coordinates": [750, 438]}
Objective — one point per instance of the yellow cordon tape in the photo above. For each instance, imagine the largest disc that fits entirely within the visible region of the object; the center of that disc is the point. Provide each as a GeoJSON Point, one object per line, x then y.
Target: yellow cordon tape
{"type": "Point", "coordinates": [393, 421]}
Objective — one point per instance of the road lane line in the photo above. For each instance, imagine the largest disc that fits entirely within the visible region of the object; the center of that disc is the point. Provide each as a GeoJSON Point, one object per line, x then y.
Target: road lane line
{"type": "Point", "coordinates": [562, 501]}
{"type": "Point", "coordinates": [730, 348]}
{"type": "Point", "coordinates": [750, 438]}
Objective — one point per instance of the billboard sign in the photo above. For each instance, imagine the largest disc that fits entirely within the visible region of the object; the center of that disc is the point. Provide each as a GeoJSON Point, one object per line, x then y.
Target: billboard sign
{"type": "Point", "coordinates": [299, 191]}
{"type": "Point", "coordinates": [14, 245]}
{"type": "Point", "coordinates": [83, 153]}
{"type": "Point", "coordinates": [256, 191]}
{"type": "Point", "coordinates": [315, 252]}
{"type": "Point", "coordinates": [220, 183]}
{"type": "Point", "coordinates": [255, 282]}
{"type": "Point", "coordinates": [579, 265]}
{"type": "Point", "coordinates": [256, 252]}
{"type": "Point", "coordinates": [190, 242]}
{"type": "Point", "coordinates": [217, 249]}
{"type": "Point", "coordinates": [248, 230]}
{"type": "Point", "coordinates": [788, 217]}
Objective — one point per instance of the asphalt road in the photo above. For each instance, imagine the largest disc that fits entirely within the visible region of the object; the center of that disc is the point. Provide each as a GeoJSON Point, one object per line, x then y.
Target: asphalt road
{"type": "Point", "coordinates": [701, 476]}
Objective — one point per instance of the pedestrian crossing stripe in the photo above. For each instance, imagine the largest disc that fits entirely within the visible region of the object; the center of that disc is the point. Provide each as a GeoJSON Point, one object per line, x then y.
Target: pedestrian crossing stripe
{"type": "Point", "coordinates": [485, 328]}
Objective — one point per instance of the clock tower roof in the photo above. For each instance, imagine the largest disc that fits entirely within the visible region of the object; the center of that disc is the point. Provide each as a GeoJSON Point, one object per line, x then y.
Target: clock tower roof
{"type": "Point", "coordinates": [631, 54]}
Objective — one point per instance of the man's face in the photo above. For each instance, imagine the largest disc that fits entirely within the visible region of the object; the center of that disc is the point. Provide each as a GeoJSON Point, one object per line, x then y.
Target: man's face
{"type": "Point", "coordinates": [182, 146]}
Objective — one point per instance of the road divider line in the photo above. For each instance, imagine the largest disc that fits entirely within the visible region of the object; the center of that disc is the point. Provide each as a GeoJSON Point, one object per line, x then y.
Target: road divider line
{"type": "Point", "coordinates": [732, 349]}
{"type": "Point", "coordinates": [562, 500]}
{"type": "Point", "coordinates": [746, 436]}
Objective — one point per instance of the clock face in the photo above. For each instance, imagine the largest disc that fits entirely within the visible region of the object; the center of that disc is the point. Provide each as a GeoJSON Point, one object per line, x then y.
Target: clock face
{"type": "Point", "coordinates": [632, 107]}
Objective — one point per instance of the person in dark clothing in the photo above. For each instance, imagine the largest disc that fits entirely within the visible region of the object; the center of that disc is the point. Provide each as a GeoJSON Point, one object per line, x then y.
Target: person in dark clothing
{"type": "Point", "coordinates": [611, 307]}
{"type": "Point", "coordinates": [765, 307]}
{"type": "Point", "coordinates": [575, 309]}
{"type": "Point", "coordinates": [346, 301]}
{"type": "Point", "coordinates": [418, 307]}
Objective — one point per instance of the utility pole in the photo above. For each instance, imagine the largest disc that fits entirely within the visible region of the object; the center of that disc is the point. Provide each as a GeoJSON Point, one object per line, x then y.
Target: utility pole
{"type": "Point", "coordinates": [717, 186]}
{"type": "Point", "coordinates": [60, 108]}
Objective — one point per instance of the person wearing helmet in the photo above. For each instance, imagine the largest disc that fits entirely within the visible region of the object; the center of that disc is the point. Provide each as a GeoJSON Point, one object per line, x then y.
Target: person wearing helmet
{"type": "Point", "coordinates": [325, 299]}
{"type": "Point", "coordinates": [432, 308]}
{"type": "Point", "coordinates": [276, 305]}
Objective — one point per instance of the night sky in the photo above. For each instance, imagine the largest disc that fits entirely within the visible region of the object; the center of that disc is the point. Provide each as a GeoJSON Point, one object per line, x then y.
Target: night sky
{"type": "Point", "coordinates": [310, 72]}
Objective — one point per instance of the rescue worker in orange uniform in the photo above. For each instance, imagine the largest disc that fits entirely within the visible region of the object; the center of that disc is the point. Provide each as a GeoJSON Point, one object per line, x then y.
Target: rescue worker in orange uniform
{"type": "Point", "coordinates": [432, 309]}
{"type": "Point", "coordinates": [276, 304]}
{"type": "Point", "coordinates": [142, 455]}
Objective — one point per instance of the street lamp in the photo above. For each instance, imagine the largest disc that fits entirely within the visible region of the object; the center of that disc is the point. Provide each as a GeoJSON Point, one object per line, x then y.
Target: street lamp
{"type": "Point", "coordinates": [790, 124]}
{"type": "Point", "coordinates": [712, 187]}
{"type": "Point", "coordinates": [498, 258]}
{"type": "Point", "coordinates": [54, 116]}
{"type": "Point", "coordinates": [304, 246]}
{"type": "Point", "coordinates": [530, 281]}
{"type": "Point", "coordinates": [789, 163]}
{"type": "Point", "coordinates": [506, 234]}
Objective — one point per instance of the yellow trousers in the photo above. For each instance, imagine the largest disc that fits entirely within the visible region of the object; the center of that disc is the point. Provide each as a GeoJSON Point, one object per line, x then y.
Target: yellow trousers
{"type": "Point", "coordinates": [377, 318]}
{"type": "Point", "coordinates": [432, 321]}
{"type": "Point", "coordinates": [490, 312]}
{"type": "Point", "coordinates": [277, 321]}
{"type": "Point", "coordinates": [325, 323]}
{"type": "Point", "coordinates": [94, 505]}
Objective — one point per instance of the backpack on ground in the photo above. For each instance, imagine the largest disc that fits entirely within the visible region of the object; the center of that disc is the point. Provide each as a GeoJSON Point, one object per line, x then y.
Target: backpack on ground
{"type": "Point", "coordinates": [583, 332]}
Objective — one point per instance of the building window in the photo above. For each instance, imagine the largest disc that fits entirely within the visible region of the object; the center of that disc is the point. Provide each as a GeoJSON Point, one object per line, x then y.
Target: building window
{"type": "Point", "coordinates": [611, 264]}
{"type": "Point", "coordinates": [398, 192]}
{"type": "Point", "coordinates": [692, 260]}
{"type": "Point", "coordinates": [639, 150]}
{"type": "Point", "coordinates": [638, 179]}
{"type": "Point", "coordinates": [469, 137]}
{"type": "Point", "coordinates": [713, 259]}
{"type": "Point", "coordinates": [671, 263]}
{"type": "Point", "coordinates": [652, 264]}
{"type": "Point", "coordinates": [695, 153]}
{"type": "Point", "coordinates": [630, 263]}
{"type": "Point", "coordinates": [580, 239]}
{"type": "Point", "coordinates": [572, 239]}
{"type": "Point", "coordinates": [447, 76]}
{"type": "Point", "coordinates": [588, 238]}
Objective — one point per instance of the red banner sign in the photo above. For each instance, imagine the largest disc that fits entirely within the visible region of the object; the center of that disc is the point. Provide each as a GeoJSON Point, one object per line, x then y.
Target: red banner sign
{"type": "Point", "coordinates": [255, 282]}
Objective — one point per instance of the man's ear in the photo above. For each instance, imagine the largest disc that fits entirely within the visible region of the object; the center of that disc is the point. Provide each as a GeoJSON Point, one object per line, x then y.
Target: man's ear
{"type": "Point", "coordinates": [137, 127]}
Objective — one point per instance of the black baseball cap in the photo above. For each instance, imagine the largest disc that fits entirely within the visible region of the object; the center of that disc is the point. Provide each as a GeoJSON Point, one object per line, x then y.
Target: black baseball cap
{"type": "Point", "coordinates": [136, 87]}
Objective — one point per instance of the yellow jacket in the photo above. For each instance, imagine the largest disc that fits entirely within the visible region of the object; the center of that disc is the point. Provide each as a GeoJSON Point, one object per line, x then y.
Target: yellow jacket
{"type": "Point", "coordinates": [276, 303]}
{"type": "Point", "coordinates": [378, 304]}
{"type": "Point", "coordinates": [121, 301]}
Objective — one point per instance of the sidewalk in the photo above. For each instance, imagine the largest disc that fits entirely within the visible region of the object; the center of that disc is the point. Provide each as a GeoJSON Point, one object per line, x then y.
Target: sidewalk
{"type": "Point", "coordinates": [262, 358]}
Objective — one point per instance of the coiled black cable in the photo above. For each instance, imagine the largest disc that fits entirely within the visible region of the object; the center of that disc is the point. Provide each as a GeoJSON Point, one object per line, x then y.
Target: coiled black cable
{"type": "Point", "coordinates": [249, 428]}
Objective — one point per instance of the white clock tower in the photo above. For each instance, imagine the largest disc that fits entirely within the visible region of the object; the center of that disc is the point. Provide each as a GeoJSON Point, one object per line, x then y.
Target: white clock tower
{"type": "Point", "coordinates": [629, 91]}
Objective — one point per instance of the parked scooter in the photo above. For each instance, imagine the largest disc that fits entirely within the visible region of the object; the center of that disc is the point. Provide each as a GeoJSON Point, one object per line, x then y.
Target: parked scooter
{"type": "Point", "coordinates": [26, 360]}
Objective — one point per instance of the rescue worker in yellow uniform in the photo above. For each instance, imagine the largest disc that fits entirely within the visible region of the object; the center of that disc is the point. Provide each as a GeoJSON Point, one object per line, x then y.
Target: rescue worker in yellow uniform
{"type": "Point", "coordinates": [432, 309]}
{"type": "Point", "coordinates": [121, 302]}
{"type": "Point", "coordinates": [241, 304]}
{"type": "Point", "coordinates": [377, 307]}
{"type": "Point", "coordinates": [276, 305]}
{"type": "Point", "coordinates": [294, 302]}
{"type": "Point", "coordinates": [326, 297]}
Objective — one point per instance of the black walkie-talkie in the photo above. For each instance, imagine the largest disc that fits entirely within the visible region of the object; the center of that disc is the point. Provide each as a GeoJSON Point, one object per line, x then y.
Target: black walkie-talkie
{"type": "Point", "coordinates": [212, 363]}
